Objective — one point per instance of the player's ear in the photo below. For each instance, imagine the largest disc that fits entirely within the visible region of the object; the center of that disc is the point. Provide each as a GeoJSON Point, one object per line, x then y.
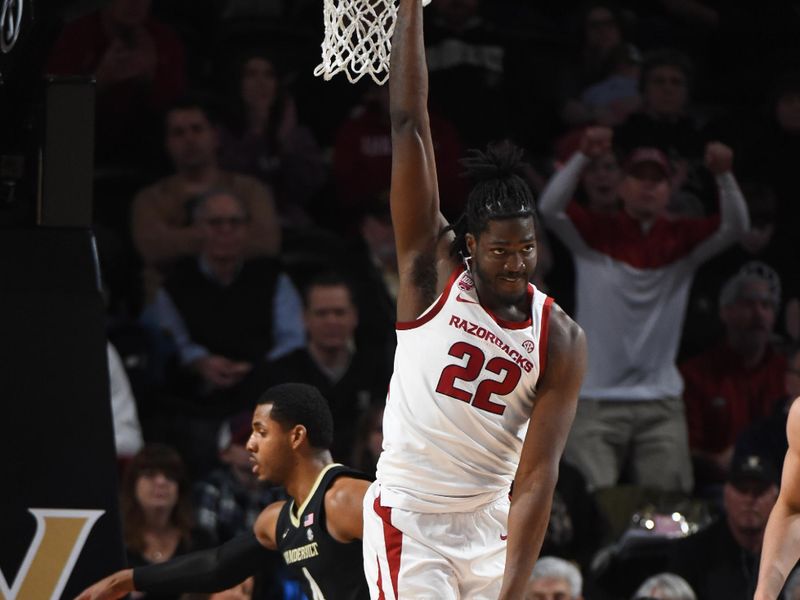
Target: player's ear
{"type": "Point", "coordinates": [298, 435]}
{"type": "Point", "coordinates": [472, 243]}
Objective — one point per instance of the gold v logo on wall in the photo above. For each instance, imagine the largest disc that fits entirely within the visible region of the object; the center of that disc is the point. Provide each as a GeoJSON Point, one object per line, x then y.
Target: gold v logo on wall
{"type": "Point", "coordinates": [52, 554]}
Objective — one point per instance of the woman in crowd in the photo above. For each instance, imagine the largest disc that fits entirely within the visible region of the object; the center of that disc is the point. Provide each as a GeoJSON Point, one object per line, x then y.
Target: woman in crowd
{"type": "Point", "coordinates": [156, 507]}
{"type": "Point", "coordinates": [264, 139]}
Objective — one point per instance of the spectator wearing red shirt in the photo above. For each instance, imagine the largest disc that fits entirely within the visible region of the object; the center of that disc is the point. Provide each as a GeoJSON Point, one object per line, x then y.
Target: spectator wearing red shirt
{"type": "Point", "coordinates": [737, 381]}
{"type": "Point", "coordinates": [362, 159]}
{"type": "Point", "coordinates": [139, 66]}
{"type": "Point", "coordinates": [634, 267]}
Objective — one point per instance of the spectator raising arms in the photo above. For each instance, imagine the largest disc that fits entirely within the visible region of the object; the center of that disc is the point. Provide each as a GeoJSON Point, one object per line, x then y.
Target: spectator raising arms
{"type": "Point", "coordinates": [633, 271]}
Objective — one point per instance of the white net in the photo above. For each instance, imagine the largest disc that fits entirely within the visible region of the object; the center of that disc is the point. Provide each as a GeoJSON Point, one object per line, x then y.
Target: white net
{"type": "Point", "coordinates": [358, 36]}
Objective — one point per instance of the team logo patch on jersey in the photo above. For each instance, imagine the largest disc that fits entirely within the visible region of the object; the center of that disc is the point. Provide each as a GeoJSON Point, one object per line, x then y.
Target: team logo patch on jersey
{"type": "Point", "coordinates": [529, 346]}
{"type": "Point", "coordinates": [465, 283]}
{"type": "Point", "coordinates": [309, 520]}
{"type": "Point", "coordinates": [310, 535]}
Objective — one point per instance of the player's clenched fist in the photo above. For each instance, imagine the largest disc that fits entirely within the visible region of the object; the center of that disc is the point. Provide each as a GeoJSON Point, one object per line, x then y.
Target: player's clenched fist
{"type": "Point", "coordinates": [719, 158]}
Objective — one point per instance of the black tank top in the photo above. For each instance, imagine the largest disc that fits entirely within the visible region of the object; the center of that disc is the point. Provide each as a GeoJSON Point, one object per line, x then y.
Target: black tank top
{"type": "Point", "coordinates": [327, 569]}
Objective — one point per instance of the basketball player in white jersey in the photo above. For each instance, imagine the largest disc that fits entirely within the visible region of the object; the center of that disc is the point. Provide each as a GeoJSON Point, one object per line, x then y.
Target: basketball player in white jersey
{"type": "Point", "coordinates": [480, 353]}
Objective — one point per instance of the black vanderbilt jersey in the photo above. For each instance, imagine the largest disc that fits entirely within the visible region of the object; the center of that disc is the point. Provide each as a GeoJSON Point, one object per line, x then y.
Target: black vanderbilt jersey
{"type": "Point", "coordinates": [318, 560]}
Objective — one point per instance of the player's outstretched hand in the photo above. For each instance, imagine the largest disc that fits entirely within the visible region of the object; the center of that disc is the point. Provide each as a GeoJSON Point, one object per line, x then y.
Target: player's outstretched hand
{"type": "Point", "coordinates": [112, 587]}
{"type": "Point", "coordinates": [596, 141]}
{"type": "Point", "coordinates": [719, 158]}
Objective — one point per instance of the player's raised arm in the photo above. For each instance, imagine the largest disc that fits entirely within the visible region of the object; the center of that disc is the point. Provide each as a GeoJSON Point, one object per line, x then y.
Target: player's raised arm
{"type": "Point", "coordinates": [414, 190]}
{"type": "Point", "coordinates": [781, 548]}
{"type": "Point", "coordinates": [537, 473]}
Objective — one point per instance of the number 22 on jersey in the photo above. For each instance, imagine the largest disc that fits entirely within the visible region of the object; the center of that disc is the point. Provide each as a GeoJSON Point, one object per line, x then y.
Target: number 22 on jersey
{"type": "Point", "coordinates": [476, 364]}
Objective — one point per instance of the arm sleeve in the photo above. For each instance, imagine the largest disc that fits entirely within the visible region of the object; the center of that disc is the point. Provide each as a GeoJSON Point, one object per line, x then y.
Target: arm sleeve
{"type": "Point", "coordinates": [288, 328]}
{"type": "Point", "coordinates": [556, 196]}
{"type": "Point", "coordinates": [734, 219]}
{"type": "Point", "coordinates": [208, 571]}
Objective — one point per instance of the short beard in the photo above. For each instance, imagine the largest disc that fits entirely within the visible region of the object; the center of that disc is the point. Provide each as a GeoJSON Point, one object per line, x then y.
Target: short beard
{"type": "Point", "coordinates": [486, 284]}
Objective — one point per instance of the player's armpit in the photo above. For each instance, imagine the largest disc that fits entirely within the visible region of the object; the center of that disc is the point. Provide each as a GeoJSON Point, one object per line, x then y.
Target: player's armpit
{"type": "Point", "coordinates": [344, 509]}
{"type": "Point", "coordinates": [266, 525]}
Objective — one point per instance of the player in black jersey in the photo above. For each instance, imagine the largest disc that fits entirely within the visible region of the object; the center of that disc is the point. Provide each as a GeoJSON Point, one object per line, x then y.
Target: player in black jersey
{"type": "Point", "coordinates": [318, 532]}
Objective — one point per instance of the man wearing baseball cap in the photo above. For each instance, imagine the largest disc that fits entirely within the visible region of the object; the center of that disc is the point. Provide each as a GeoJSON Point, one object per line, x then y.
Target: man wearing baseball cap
{"type": "Point", "coordinates": [634, 268]}
{"type": "Point", "coordinates": [648, 156]}
{"type": "Point", "coordinates": [721, 561]}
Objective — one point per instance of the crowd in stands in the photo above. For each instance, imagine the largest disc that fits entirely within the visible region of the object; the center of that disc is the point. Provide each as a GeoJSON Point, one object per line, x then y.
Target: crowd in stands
{"type": "Point", "coordinates": [241, 214]}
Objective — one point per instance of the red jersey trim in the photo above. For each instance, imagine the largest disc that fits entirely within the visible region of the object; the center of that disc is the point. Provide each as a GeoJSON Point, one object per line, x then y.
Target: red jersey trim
{"type": "Point", "coordinates": [513, 324]}
{"type": "Point", "coordinates": [404, 325]}
{"type": "Point", "coordinates": [548, 304]}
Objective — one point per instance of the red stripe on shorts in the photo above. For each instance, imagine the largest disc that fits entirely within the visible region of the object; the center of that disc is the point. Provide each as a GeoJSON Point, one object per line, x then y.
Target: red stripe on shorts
{"type": "Point", "coordinates": [393, 538]}
{"type": "Point", "coordinates": [381, 595]}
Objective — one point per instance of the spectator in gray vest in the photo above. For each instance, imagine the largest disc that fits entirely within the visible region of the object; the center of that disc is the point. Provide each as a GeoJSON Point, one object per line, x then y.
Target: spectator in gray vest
{"type": "Point", "coordinates": [225, 313]}
{"type": "Point", "coordinates": [223, 358]}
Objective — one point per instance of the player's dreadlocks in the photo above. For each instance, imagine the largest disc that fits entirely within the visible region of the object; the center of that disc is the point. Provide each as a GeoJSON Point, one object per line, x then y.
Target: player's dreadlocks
{"type": "Point", "coordinates": [499, 192]}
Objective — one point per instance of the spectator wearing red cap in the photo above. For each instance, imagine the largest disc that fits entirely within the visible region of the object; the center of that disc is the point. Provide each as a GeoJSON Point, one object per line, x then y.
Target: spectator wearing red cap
{"type": "Point", "coordinates": [634, 267]}
{"type": "Point", "coordinates": [667, 120]}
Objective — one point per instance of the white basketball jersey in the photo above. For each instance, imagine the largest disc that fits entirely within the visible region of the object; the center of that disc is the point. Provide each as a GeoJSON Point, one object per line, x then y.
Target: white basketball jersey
{"type": "Point", "coordinates": [459, 401]}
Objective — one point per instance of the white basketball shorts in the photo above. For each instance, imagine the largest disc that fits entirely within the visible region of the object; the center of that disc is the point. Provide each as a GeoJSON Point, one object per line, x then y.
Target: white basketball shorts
{"type": "Point", "coordinates": [426, 556]}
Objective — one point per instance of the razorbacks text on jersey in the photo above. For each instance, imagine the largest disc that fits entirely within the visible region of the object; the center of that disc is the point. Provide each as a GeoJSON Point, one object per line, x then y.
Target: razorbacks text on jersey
{"type": "Point", "coordinates": [325, 567]}
{"type": "Point", "coordinates": [459, 402]}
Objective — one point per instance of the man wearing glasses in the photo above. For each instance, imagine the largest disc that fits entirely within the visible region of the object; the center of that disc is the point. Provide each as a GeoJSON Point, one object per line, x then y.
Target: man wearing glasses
{"type": "Point", "coordinates": [225, 313]}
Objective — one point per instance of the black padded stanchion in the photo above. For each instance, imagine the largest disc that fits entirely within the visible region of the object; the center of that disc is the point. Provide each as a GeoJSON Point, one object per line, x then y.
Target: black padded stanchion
{"type": "Point", "coordinates": [59, 519]}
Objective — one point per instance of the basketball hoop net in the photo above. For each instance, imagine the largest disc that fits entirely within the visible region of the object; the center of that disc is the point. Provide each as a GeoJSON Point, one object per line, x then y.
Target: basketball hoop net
{"type": "Point", "coordinates": [358, 39]}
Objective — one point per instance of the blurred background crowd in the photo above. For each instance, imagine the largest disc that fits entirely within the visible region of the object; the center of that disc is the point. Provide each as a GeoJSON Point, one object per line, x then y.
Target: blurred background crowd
{"type": "Point", "coordinates": [241, 216]}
